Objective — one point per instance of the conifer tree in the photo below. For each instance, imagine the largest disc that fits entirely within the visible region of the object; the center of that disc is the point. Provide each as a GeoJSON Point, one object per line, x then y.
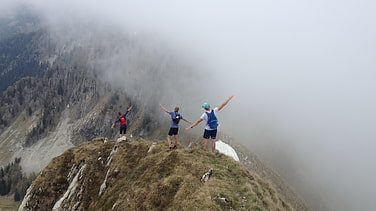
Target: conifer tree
{"type": "Point", "coordinates": [3, 190]}
{"type": "Point", "coordinates": [17, 196]}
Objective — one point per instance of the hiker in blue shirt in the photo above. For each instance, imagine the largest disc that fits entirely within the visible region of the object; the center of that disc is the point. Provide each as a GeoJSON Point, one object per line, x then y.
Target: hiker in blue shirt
{"type": "Point", "coordinates": [210, 116]}
{"type": "Point", "coordinates": [123, 122]}
{"type": "Point", "coordinates": [175, 118]}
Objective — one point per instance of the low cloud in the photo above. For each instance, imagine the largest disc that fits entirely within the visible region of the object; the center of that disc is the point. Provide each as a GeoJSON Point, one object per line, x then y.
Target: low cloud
{"type": "Point", "coordinates": [301, 72]}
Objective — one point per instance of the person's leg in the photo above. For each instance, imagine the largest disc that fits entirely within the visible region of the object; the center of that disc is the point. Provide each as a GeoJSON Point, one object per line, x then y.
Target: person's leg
{"type": "Point", "coordinates": [213, 144]}
{"type": "Point", "coordinates": [169, 141]}
{"type": "Point", "coordinates": [170, 133]}
{"type": "Point", "coordinates": [176, 140]}
{"type": "Point", "coordinates": [206, 138]}
{"type": "Point", "coordinates": [123, 130]}
{"type": "Point", "coordinates": [213, 135]}
{"type": "Point", "coordinates": [206, 143]}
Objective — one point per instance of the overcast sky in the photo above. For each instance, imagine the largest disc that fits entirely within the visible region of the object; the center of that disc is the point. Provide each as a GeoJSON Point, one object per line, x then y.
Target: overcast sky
{"type": "Point", "coordinates": [302, 72]}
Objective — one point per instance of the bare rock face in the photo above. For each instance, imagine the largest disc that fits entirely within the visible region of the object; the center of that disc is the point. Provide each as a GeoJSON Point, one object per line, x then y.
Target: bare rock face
{"type": "Point", "coordinates": [130, 175]}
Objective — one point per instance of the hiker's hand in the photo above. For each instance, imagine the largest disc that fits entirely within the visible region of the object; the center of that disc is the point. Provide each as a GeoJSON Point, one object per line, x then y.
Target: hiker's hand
{"type": "Point", "coordinates": [113, 125]}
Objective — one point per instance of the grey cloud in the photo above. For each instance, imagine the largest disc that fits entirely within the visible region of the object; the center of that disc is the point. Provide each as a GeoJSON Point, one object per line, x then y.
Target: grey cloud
{"type": "Point", "coordinates": [302, 74]}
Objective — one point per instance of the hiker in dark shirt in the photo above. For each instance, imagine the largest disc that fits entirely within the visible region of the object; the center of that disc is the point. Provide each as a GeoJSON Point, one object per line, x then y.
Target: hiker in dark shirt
{"type": "Point", "coordinates": [175, 118]}
{"type": "Point", "coordinates": [123, 122]}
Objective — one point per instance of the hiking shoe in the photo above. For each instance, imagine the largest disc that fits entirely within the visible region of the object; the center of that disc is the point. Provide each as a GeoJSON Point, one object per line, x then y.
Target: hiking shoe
{"type": "Point", "coordinates": [174, 147]}
{"type": "Point", "coordinates": [169, 150]}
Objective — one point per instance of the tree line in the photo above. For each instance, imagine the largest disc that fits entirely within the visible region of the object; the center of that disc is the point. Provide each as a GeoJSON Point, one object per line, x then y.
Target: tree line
{"type": "Point", "coordinates": [13, 181]}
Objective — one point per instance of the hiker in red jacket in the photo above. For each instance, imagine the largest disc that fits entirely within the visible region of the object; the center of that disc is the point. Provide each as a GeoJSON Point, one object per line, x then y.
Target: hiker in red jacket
{"type": "Point", "coordinates": [123, 122]}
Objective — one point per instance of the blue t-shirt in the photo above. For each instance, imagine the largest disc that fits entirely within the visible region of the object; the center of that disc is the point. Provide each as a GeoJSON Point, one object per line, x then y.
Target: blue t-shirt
{"type": "Point", "coordinates": [173, 116]}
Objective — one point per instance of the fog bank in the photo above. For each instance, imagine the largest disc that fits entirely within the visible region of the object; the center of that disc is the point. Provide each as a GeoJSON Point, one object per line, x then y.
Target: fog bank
{"type": "Point", "coordinates": [302, 74]}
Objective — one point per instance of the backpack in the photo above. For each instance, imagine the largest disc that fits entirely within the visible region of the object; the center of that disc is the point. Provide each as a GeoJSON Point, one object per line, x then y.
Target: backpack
{"type": "Point", "coordinates": [212, 120]}
{"type": "Point", "coordinates": [123, 121]}
{"type": "Point", "coordinates": [177, 118]}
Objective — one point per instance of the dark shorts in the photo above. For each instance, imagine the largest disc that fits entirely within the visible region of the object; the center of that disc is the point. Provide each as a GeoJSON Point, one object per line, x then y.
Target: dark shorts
{"type": "Point", "coordinates": [123, 129]}
{"type": "Point", "coordinates": [210, 134]}
{"type": "Point", "coordinates": [173, 131]}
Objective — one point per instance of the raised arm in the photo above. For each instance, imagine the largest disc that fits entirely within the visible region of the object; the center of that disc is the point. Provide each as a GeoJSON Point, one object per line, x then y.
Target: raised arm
{"type": "Point", "coordinates": [186, 120]}
{"type": "Point", "coordinates": [194, 124]}
{"type": "Point", "coordinates": [127, 111]}
{"type": "Point", "coordinates": [163, 108]}
{"type": "Point", "coordinates": [225, 103]}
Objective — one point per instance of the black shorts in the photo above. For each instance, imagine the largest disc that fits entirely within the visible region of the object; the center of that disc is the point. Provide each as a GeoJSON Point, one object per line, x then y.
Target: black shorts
{"type": "Point", "coordinates": [210, 134]}
{"type": "Point", "coordinates": [123, 129]}
{"type": "Point", "coordinates": [173, 131]}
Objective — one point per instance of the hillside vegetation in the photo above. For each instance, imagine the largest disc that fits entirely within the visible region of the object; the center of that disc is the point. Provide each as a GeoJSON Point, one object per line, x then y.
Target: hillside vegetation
{"type": "Point", "coordinates": [141, 175]}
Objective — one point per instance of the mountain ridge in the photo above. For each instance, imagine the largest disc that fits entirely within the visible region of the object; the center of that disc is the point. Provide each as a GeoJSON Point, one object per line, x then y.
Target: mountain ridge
{"type": "Point", "coordinates": [130, 175]}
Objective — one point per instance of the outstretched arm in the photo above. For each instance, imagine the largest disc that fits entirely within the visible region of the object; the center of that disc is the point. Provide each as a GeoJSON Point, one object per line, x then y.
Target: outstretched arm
{"type": "Point", "coordinates": [163, 108]}
{"type": "Point", "coordinates": [194, 124]}
{"type": "Point", "coordinates": [187, 121]}
{"type": "Point", "coordinates": [225, 103]}
{"type": "Point", "coordinates": [116, 121]}
{"type": "Point", "coordinates": [113, 125]}
{"type": "Point", "coordinates": [126, 112]}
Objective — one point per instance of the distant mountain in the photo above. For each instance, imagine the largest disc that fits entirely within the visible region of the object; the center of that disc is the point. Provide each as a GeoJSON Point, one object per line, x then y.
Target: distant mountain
{"type": "Point", "coordinates": [19, 58]}
{"type": "Point", "coordinates": [58, 99]}
{"type": "Point", "coordinates": [63, 87]}
{"type": "Point", "coordinates": [141, 175]}
{"type": "Point", "coordinates": [22, 21]}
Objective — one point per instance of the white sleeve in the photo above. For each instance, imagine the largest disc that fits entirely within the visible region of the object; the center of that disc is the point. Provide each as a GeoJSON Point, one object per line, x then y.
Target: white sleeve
{"type": "Point", "coordinates": [204, 117]}
{"type": "Point", "coordinates": [216, 111]}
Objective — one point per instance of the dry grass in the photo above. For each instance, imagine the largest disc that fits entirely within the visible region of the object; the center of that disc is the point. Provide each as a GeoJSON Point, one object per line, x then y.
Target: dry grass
{"type": "Point", "coordinates": [159, 180]}
{"type": "Point", "coordinates": [8, 204]}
